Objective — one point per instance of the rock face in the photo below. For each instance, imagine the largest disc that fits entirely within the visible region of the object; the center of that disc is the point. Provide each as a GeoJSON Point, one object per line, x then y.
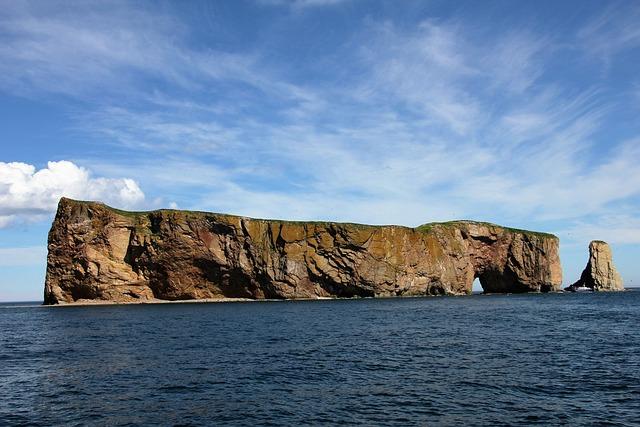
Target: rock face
{"type": "Point", "coordinates": [600, 274]}
{"type": "Point", "coordinates": [100, 253]}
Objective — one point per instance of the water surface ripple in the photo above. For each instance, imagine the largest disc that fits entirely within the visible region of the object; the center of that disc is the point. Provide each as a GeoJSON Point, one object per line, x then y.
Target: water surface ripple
{"type": "Point", "coordinates": [554, 359]}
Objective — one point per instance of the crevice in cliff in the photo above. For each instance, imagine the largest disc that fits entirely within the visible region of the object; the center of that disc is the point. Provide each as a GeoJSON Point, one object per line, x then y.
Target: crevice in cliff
{"type": "Point", "coordinates": [234, 282]}
{"type": "Point", "coordinates": [340, 290]}
{"type": "Point", "coordinates": [155, 221]}
{"type": "Point", "coordinates": [134, 251]}
{"type": "Point", "coordinates": [219, 228]}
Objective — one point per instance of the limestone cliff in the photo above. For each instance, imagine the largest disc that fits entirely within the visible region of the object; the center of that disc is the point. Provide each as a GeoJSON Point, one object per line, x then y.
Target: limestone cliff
{"type": "Point", "coordinates": [600, 274]}
{"type": "Point", "coordinates": [100, 253]}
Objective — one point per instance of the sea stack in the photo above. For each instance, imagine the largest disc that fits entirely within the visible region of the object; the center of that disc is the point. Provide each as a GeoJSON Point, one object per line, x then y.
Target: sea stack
{"type": "Point", "coordinates": [600, 274]}
{"type": "Point", "coordinates": [98, 253]}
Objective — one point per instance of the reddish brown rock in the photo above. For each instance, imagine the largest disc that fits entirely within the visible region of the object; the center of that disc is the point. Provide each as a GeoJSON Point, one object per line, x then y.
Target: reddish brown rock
{"type": "Point", "coordinates": [100, 253]}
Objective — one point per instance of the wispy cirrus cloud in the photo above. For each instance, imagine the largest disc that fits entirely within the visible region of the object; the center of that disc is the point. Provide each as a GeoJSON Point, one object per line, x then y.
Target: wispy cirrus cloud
{"type": "Point", "coordinates": [516, 61]}
{"type": "Point", "coordinates": [84, 49]}
{"type": "Point", "coordinates": [612, 31]}
{"type": "Point", "coordinates": [116, 51]}
{"type": "Point", "coordinates": [422, 70]}
{"type": "Point", "coordinates": [426, 125]}
{"type": "Point", "coordinates": [433, 121]}
{"type": "Point", "coordinates": [302, 4]}
{"type": "Point", "coordinates": [616, 229]}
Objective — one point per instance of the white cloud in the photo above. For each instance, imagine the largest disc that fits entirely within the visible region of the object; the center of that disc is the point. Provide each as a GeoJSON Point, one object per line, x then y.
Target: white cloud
{"type": "Point", "coordinates": [27, 194]}
{"type": "Point", "coordinates": [6, 220]}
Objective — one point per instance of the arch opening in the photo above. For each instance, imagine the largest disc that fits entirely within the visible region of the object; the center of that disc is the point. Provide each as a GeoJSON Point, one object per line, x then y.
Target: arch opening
{"type": "Point", "coordinates": [500, 282]}
{"type": "Point", "coordinates": [476, 287]}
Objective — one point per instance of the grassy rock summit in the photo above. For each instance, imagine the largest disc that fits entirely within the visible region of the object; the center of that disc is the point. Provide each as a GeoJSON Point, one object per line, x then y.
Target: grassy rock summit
{"type": "Point", "coordinates": [104, 254]}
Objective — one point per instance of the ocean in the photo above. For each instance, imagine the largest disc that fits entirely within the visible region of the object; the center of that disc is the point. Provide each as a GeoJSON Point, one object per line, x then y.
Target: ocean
{"type": "Point", "coordinates": [547, 359]}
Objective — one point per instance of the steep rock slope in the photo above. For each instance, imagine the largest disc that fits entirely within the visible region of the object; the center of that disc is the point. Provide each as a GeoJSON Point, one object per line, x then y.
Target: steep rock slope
{"type": "Point", "coordinates": [100, 253]}
{"type": "Point", "coordinates": [600, 274]}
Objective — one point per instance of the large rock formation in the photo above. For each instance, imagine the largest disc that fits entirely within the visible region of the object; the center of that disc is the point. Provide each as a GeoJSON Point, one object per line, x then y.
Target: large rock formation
{"type": "Point", "coordinates": [600, 274]}
{"type": "Point", "coordinates": [100, 253]}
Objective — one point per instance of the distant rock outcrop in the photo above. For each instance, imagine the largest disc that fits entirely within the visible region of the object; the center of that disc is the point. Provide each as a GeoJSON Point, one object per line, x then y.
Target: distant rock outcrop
{"type": "Point", "coordinates": [600, 274]}
{"type": "Point", "coordinates": [100, 253]}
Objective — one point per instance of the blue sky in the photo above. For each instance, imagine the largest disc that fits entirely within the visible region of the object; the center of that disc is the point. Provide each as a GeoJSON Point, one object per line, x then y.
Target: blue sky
{"type": "Point", "coordinates": [396, 112]}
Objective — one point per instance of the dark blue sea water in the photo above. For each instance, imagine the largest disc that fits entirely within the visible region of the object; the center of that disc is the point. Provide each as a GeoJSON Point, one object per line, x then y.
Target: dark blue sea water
{"type": "Point", "coordinates": [555, 359]}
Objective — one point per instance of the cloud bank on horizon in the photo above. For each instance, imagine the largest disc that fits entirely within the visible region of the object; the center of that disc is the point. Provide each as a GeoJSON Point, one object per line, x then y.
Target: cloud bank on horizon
{"type": "Point", "coordinates": [523, 114]}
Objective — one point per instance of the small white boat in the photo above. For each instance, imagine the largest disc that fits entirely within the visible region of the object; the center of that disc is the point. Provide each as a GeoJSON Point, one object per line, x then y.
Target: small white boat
{"type": "Point", "coordinates": [573, 288]}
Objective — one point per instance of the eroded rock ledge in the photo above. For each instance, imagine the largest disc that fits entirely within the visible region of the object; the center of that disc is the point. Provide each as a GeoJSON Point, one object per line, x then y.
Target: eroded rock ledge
{"type": "Point", "coordinates": [100, 253]}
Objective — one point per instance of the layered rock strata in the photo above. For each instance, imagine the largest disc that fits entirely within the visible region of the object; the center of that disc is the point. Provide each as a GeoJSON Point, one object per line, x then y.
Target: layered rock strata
{"type": "Point", "coordinates": [100, 253]}
{"type": "Point", "coordinates": [600, 274]}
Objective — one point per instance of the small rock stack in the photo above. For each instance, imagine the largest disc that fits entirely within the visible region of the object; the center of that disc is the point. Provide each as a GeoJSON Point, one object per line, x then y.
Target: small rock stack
{"type": "Point", "coordinates": [600, 274]}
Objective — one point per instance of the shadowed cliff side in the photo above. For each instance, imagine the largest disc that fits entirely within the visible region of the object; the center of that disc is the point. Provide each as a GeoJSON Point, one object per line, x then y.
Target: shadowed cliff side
{"type": "Point", "coordinates": [100, 253]}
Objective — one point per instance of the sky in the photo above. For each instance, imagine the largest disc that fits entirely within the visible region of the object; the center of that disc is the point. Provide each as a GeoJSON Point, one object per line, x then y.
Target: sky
{"type": "Point", "coordinates": [523, 114]}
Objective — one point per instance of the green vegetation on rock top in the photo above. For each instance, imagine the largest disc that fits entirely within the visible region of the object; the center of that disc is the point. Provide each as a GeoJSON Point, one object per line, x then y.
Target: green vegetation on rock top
{"type": "Point", "coordinates": [457, 223]}
{"type": "Point", "coordinates": [424, 228]}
